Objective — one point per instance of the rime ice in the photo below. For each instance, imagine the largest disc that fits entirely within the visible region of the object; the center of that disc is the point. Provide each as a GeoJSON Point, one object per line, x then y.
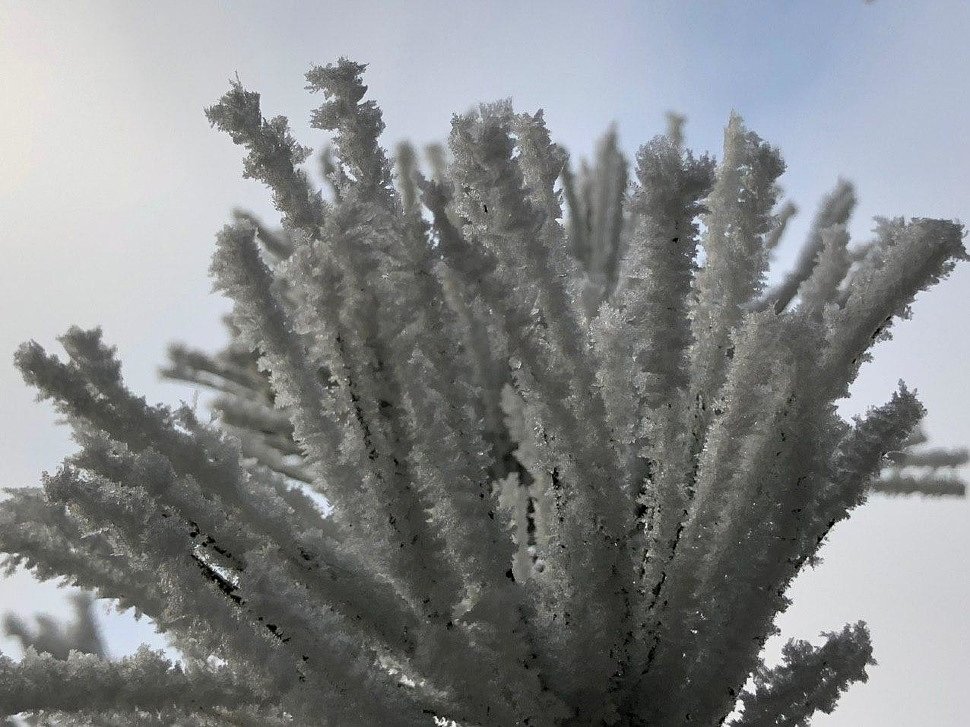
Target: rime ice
{"type": "Point", "coordinates": [568, 474]}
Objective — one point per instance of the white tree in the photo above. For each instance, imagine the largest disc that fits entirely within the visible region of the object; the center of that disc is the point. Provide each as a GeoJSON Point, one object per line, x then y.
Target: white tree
{"type": "Point", "coordinates": [567, 473]}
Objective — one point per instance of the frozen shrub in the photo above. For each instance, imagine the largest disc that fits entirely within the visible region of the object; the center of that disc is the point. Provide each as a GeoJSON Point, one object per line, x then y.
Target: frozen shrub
{"type": "Point", "coordinates": [479, 459]}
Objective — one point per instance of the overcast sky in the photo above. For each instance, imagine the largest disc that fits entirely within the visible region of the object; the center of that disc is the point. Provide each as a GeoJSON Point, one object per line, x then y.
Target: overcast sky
{"type": "Point", "coordinates": [112, 187]}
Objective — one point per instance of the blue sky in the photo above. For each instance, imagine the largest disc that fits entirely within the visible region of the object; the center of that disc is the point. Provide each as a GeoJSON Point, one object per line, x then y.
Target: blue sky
{"type": "Point", "coordinates": [112, 186]}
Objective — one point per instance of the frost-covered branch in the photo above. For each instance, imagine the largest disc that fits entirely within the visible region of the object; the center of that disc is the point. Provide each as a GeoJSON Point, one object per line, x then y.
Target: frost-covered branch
{"type": "Point", "coordinates": [810, 679]}
{"type": "Point", "coordinates": [495, 443]}
{"type": "Point", "coordinates": [85, 682]}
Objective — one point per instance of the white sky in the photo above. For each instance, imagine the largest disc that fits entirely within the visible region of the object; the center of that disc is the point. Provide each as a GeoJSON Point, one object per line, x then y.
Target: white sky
{"type": "Point", "coordinates": [112, 187]}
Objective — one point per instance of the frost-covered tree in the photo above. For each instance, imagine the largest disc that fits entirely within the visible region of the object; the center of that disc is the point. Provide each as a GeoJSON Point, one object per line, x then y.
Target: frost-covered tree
{"type": "Point", "coordinates": [478, 459]}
